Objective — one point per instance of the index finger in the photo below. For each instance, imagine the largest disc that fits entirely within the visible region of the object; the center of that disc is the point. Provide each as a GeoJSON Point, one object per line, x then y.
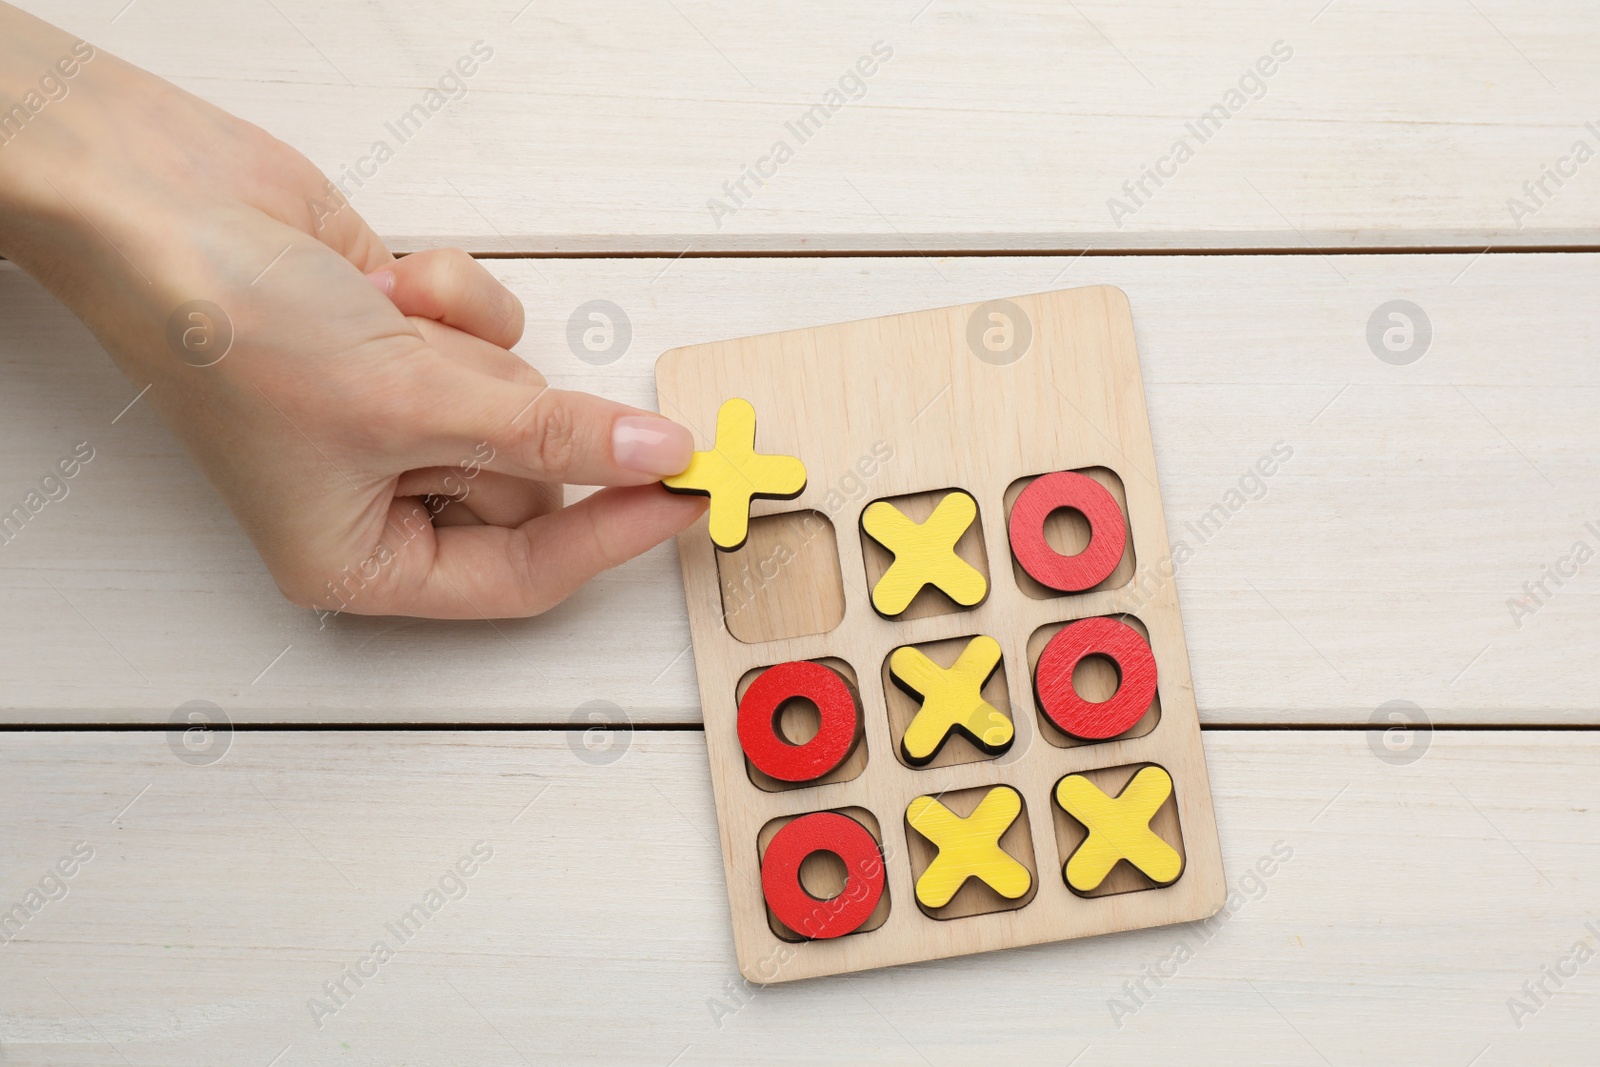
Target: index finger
{"type": "Point", "coordinates": [558, 435]}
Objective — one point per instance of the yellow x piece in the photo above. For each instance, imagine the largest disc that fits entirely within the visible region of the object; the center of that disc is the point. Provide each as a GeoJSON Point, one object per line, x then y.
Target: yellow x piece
{"type": "Point", "coordinates": [924, 553]}
{"type": "Point", "coordinates": [969, 848]}
{"type": "Point", "coordinates": [951, 699]}
{"type": "Point", "coordinates": [732, 472]}
{"type": "Point", "coordinates": [1119, 829]}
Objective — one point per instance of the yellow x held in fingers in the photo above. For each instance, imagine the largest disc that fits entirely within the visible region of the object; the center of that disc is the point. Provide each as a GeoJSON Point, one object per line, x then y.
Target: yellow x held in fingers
{"type": "Point", "coordinates": [969, 848]}
{"type": "Point", "coordinates": [952, 699]}
{"type": "Point", "coordinates": [924, 553]}
{"type": "Point", "coordinates": [1119, 829]}
{"type": "Point", "coordinates": [732, 472]}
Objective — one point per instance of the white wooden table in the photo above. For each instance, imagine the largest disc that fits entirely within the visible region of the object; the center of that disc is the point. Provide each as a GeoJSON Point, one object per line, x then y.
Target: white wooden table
{"type": "Point", "coordinates": [1431, 889]}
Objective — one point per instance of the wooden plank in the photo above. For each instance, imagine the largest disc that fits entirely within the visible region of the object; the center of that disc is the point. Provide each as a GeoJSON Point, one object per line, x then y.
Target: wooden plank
{"type": "Point", "coordinates": [1378, 566]}
{"type": "Point", "coordinates": [1058, 389]}
{"type": "Point", "coordinates": [221, 898]}
{"type": "Point", "coordinates": [611, 127]}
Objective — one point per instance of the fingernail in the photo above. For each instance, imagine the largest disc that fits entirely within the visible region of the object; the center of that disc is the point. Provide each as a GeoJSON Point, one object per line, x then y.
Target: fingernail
{"type": "Point", "coordinates": [650, 444]}
{"type": "Point", "coordinates": [383, 279]}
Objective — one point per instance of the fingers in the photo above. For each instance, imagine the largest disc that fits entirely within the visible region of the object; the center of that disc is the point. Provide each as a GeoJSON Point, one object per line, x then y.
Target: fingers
{"type": "Point", "coordinates": [289, 187]}
{"type": "Point", "coordinates": [335, 223]}
{"type": "Point", "coordinates": [451, 287]}
{"type": "Point", "coordinates": [490, 572]}
{"type": "Point", "coordinates": [465, 350]}
{"type": "Point", "coordinates": [465, 493]}
{"type": "Point", "coordinates": [554, 435]}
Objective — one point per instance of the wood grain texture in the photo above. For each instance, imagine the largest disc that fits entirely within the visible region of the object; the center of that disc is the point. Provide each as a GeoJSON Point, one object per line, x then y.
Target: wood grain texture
{"type": "Point", "coordinates": [611, 126]}
{"type": "Point", "coordinates": [1374, 564]}
{"type": "Point", "coordinates": [1066, 531]}
{"type": "Point", "coordinates": [799, 720]}
{"type": "Point", "coordinates": [950, 700]}
{"type": "Point", "coordinates": [969, 846]}
{"type": "Point", "coordinates": [975, 897]}
{"type": "Point", "coordinates": [1119, 829]}
{"type": "Point", "coordinates": [1071, 834]}
{"type": "Point", "coordinates": [763, 597]}
{"type": "Point", "coordinates": [835, 914]}
{"type": "Point", "coordinates": [919, 508]}
{"type": "Point", "coordinates": [1067, 572]}
{"type": "Point", "coordinates": [838, 728]}
{"type": "Point", "coordinates": [924, 554]}
{"type": "Point", "coordinates": [225, 896]}
{"type": "Point", "coordinates": [731, 472]}
{"type": "Point", "coordinates": [1090, 718]}
{"type": "Point", "coordinates": [1096, 678]}
{"type": "Point", "coordinates": [1067, 380]}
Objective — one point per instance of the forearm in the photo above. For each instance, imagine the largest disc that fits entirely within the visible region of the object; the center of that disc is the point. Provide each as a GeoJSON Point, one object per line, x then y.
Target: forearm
{"type": "Point", "coordinates": [40, 66]}
{"type": "Point", "coordinates": [56, 206]}
{"type": "Point", "coordinates": [324, 408]}
{"type": "Point", "coordinates": [102, 168]}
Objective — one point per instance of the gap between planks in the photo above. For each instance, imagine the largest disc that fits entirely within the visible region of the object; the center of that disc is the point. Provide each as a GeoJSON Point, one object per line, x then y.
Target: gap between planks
{"type": "Point", "coordinates": [1091, 252]}
{"type": "Point", "coordinates": [1002, 252]}
{"type": "Point", "coordinates": [694, 727]}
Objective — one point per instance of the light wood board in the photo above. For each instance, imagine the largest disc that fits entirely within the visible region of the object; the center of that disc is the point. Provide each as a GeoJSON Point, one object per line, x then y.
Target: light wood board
{"type": "Point", "coordinates": [1007, 125]}
{"type": "Point", "coordinates": [216, 906]}
{"type": "Point", "coordinates": [1414, 502]}
{"type": "Point", "coordinates": [608, 126]}
{"type": "Point", "coordinates": [883, 409]}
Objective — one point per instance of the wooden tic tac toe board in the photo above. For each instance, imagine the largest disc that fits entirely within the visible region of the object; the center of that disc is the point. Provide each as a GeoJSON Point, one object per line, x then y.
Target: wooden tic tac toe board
{"type": "Point", "coordinates": [946, 692]}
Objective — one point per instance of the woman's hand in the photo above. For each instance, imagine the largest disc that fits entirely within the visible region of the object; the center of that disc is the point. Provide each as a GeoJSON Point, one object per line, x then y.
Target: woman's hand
{"type": "Point", "coordinates": [362, 416]}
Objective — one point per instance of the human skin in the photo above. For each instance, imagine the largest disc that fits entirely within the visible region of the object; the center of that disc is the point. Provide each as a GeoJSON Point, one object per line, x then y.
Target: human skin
{"type": "Point", "coordinates": [369, 426]}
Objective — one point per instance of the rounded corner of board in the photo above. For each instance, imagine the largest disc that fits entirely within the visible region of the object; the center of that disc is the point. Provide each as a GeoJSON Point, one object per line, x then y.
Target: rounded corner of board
{"type": "Point", "coordinates": [1116, 294]}
{"type": "Point", "coordinates": [667, 363]}
{"type": "Point", "coordinates": [751, 972]}
{"type": "Point", "coordinates": [1115, 297]}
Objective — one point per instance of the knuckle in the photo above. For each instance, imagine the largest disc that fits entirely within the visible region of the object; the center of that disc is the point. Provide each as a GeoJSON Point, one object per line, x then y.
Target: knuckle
{"type": "Point", "coordinates": [303, 178]}
{"type": "Point", "coordinates": [507, 312]}
{"type": "Point", "coordinates": [602, 545]}
{"type": "Point", "coordinates": [454, 280]}
{"type": "Point", "coordinates": [523, 561]}
{"type": "Point", "coordinates": [531, 577]}
{"type": "Point", "coordinates": [451, 270]}
{"type": "Point", "coordinates": [445, 274]}
{"type": "Point", "coordinates": [276, 152]}
{"type": "Point", "coordinates": [553, 437]}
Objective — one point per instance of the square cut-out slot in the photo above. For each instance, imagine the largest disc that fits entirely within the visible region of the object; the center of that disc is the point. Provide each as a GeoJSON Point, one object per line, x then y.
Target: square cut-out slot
{"type": "Point", "coordinates": [1066, 533]}
{"type": "Point", "coordinates": [924, 554]}
{"type": "Point", "coordinates": [823, 878]}
{"type": "Point", "coordinates": [1097, 682]}
{"type": "Point", "coordinates": [966, 846]}
{"type": "Point", "coordinates": [797, 720]}
{"type": "Point", "coordinates": [785, 581]}
{"type": "Point", "coordinates": [965, 700]}
{"type": "Point", "coordinates": [1124, 877]}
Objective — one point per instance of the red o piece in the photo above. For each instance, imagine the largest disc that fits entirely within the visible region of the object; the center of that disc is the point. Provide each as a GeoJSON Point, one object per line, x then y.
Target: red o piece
{"type": "Point", "coordinates": [1108, 533]}
{"type": "Point", "coordinates": [822, 831]}
{"type": "Point", "coordinates": [758, 732]}
{"type": "Point", "coordinates": [1087, 719]}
